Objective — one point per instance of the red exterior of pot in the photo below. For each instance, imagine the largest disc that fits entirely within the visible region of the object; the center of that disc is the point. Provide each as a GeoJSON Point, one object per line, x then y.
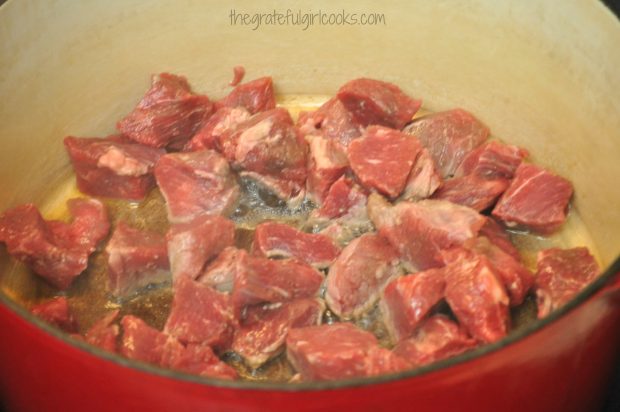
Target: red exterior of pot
{"type": "Point", "coordinates": [565, 366]}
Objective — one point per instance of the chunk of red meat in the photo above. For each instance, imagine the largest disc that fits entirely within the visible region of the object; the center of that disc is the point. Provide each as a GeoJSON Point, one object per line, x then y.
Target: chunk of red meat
{"type": "Point", "coordinates": [264, 331]}
{"type": "Point", "coordinates": [144, 343]}
{"type": "Point", "coordinates": [326, 164]}
{"type": "Point", "coordinates": [222, 121]}
{"type": "Point", "coordinates": [55, 250]}
{"type": "Point", "coordinates": [56, 312]}
{"type": "Point", "coordinates": [135, 259]}
{"type": "Point", "coordinates": [382, 159]}
{"type": "Point", "coordinates": [196, 183]}
{"type": "Point", "coordinates": [562, 274]}
{"type": "Point", "coordinates": [342, 196]}
{"type": "Point", "coordinates": [238, 73]}
{"type": "Point", "coordinates": [220, 273]}
{"type": "Point", "coordinates": [104, 332]}
{"type": "Point", "coordinates": [168, 115]}
{"type": "Point", "coordinates": [338, 351]}
{"type": "Point", "coordinates": [420, 230]}
{"type": "Point", "coordinates": [472, 190]}
{"type": "Point", "coordinates": [498, 236]}
{"type": "Point", "coordinates": [477, 297]}
{"type": "Point", "coordinates": [192, 245]}
{"type": "Point", "coordinates": [200, 315]}
{"type": "Point", "coordinates": [408, 299]}
{"type": "Point", "coordinates": [492, 160]}
{"type": "Point", "coordinates": [359, 274]}
{"type": "Point", "coordinates": [272, 239]}
{"type": "Point", "coordinates": [423, 179]}
{"type": "Point", "coordinates": [436, 339]}
{"type": "Point", "coordinates": [106, 167]}
{"type": "Point", "coordinates": [256, 96]}
{"type": "Point", "coordinates": [376, 102]}
{"type": "Point", "coordinates": [261, 280]}
{"type": "Point", "coordinates": [536, 199]}
{"type": "Point", "coordinates": [449, 136]}
{"type": "Point", "coordinates": [333, 121]}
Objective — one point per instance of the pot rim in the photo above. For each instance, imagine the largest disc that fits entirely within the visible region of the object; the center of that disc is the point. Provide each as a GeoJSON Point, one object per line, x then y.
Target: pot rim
{"type": "Point", "coordinates": [591, 290]}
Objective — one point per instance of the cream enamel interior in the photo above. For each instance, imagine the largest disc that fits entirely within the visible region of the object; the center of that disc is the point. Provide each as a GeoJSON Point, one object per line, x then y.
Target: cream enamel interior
{"type": "Point", "coordinates": [541, 76]}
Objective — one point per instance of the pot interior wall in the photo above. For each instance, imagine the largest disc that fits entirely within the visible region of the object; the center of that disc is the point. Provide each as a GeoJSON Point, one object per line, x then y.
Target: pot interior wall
{"type": "Point", "coordinates": [541, 77]}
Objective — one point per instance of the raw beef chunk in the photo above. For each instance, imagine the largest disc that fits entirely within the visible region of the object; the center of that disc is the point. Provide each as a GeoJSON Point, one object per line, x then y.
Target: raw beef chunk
{"type": "Point", "coordinates": [562, 274]}
{"type": "Point", "coordinates": [135, 259]}
{"type": "Point", "coordinates": [263, 333]}
{"type": "Point", "coordinates": [104, 332]}
{"type": "Point", "coordinates": [382, 159]}
{"type": "Point", "coordinates": [57, 312]}
{"type": "Point", "coordinates": [272, 239]}
{"type": "Point", "coordinates": [472, 191]}
{"type": "Point", "coordinates": [326, 164]}
{"type": "Point", "coordinates": [376, 102]}
{"type": "Point", "coordinates": [343, 196]}
{"type": "Point", "coordinates": [107, 167]}
{"type": "Point", "coordinates": [200, 315]}
{"type": "Point", "coordinates": [255, 96]}
{"type": "Point", "coordinates": [423, 179]}
{"type": "Point", "coordinates": [268, 149]}
{"type": "Point", "coordinates": [261, 280]}
{"type": "Point", "coordinates": [220, 273]}
{"type": "Point", "coordinates": [449, 137]}
{"type": "Point", "coordinates": [55, 250]}
{"type": "Point", "coordinates": [477, 298]}
{"type": "Point", "coordinates": [144, 343]}
{"type": "Point", "coordinates": [420, 230]}
{"type": "Point", "coordinates": [408, 299]}
{"type": "Point", "coordinates": [359, 274]}
{"type": "Point", "coordinates": [169, 114]}
{"type": "Point", "coordinates": [193, 244]}
{"type": "Point", "coordinates": [536, 199]}
{"type": "Point", "coordinates": [222, 121]}
{"type": "Point", "coordinates": [437, 338]}
{"type": "Point", "coordinates": [238, 74]}
{"type": "Point", "coordinates": [333, 121]}
{"type": "Point", "coordinates": [196, 183]}
{"type": "Point", "coordinates": [498, 236]}
{"type": "Point", "coordinates": [492, 160]}
{"type": "Point", "coordinates": [338, 351]}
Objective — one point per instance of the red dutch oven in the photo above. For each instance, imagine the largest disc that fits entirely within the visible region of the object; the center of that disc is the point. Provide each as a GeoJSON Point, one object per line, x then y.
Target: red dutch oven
{"type": "Point", "coordinates": [541, 76]}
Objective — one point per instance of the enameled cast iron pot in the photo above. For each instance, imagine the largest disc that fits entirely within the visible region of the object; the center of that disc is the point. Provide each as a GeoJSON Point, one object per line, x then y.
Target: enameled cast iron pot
{"type": "Point", "coordinates": [541, 76]}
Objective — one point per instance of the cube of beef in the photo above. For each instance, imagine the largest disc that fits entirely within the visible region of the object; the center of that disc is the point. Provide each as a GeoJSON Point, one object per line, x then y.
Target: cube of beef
{"type": "Point", "coordinates": [536, 199]}
{"type": "Point", "coordinates": [477, 297]}
{"type": "Point", "coordinates": [168, 115]}
{"type": "Point", "coordinates": [262, 335]}
{"type": "Point", "coordinates": [104, 332]}
{"type": "Point", "coordinates": [221, 272]}
{"type": "Point", "coordinates": [338, 351]}
{"type": "Point", "coordinates": [498, 236]}
{"type": "Point", "coordinates": [359, 275]}
{"type": "Point", "coordinates": [272, 239]}
{"type": "Point", "coordinates": [449, 136]}
{"type": "Point", "coordinates": [200, 315]}
{"type": "Point", "coordinates": [135, 259]}
{"type": "Point", "coordinates": [407, 300]}
{"type": "Point", "coordinates": [424, 179]}
{"type": "Point", "coordinates": [56, 312]}
{"type": "Point", "coordinates": [261, 280]}
{"type": "Point", "coordinates": [222, 121]}
{"type": "Point", "coordinates": [255, 96]}
{"type": "Point", "coordinates": [420, 230]}
{"type": "Point", "coordinates": [332, 121]}
{"type": "Point", "coordinates": [436, 339]}
{"type": "Point", "coordinates": [492, 160]}
{"type": "Point", "coordinates": [326, 164]}
{"type": "Point", "coordinates": [382, 159]}
{"type": "Point", "coordinates": [561, 274]}
{"type": "Point", "coordinates": [55, 250]}
{"type": "Point", "coordinates": [196, 183]}
{"type": "Point", "coordinates": [267, 148]}
{"type": "Point", "coordinates": [192, 245]}
{"type": "Point", "coordinates": [472, 191]}
{"type": "Point", "coordinates": [199, 359]}
{"type": "Point", "coordinates": [376, 102]}
{"type": "Point", "coordinates": [107, 167]}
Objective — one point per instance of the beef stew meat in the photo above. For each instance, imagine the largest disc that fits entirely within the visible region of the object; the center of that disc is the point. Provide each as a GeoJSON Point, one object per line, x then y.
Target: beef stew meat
{"type": "Point", "coordinates": [354, 242]}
